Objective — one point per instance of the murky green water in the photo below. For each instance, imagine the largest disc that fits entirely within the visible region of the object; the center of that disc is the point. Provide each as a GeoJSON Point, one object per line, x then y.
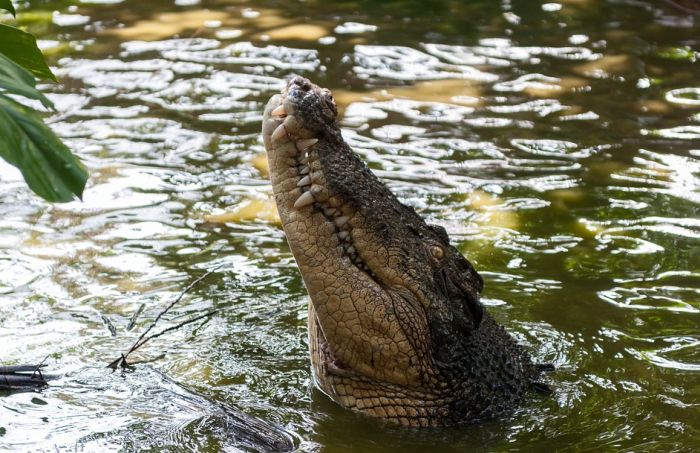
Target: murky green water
{"type": "Point", "coordinates": [558, 143]}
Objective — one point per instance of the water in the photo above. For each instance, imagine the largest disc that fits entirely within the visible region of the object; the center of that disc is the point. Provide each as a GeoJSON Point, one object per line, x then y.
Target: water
{"type": "Point", "coordinates": [558, 143]}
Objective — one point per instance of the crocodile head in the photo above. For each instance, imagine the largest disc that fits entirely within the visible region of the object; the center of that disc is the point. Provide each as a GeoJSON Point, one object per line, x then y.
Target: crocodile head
{"type": "Point", "coordinates": [396, 328]}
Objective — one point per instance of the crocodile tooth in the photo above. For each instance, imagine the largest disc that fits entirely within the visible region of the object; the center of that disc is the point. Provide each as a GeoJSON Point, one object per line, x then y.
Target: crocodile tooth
{"type": "Point", "coordinates": [351, 250]}
{"type": "Point", "coordinates": [270, 125]}
{"type": "Point", "coordinates": [305, 199]}
{"type": "Point", "coordinates": [343, 234]}
{"type": "Point", "coordinates": [279, 111]}
{"type": "Point", "coordinates": [340, 221]}
{"type": "Point", "coordinates": [319, 192]}
{"type": "Point", "coordinates": [306, 143]}
{"type": "Point", "coordinates": [304, 160]}
{"type": "Point", "coordinates": [291, 123]}
{"type": "Point", "coordinates": [304, 171]}
{"type": "Point", "coordinates": [330, 211]}
{"type": "Point", "coordinates": [280, 133]}
{"type": "Point", "coordinates": [305, 181]}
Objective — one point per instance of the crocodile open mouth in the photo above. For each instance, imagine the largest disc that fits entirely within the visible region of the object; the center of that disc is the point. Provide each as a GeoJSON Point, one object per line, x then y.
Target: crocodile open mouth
{"type": "Point", "coordinates": [286, 136]}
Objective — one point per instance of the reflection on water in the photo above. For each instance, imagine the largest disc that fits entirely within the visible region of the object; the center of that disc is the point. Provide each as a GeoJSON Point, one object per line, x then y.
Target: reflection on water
{"type": "Point", "coordinates": [559, 145]}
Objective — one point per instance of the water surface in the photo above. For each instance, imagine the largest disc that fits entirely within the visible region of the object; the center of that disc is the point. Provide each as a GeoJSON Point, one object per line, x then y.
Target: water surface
{"type": "Point", "coordinates": [558, 143]}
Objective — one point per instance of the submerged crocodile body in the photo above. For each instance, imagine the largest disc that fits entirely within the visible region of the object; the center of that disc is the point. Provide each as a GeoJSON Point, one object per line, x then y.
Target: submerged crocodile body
{"type": "Point", "coordinates": [396, 329]}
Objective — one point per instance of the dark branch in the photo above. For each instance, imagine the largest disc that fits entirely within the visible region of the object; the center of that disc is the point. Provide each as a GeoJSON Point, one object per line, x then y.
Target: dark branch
{"type": "Point", "coordinates": [121, 361]}
{"type": "Point", "coordinates": [132, 321]}
{"type": "Point", "coordinates": [22, 377]}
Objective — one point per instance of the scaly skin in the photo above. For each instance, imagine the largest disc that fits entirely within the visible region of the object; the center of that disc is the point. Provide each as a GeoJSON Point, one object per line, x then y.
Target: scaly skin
{"type": "Point", "coordinates": [396, 329]}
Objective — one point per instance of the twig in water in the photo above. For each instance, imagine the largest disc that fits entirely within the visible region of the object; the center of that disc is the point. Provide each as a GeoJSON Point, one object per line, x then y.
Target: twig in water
{"type": "Point", "coordinates": [121, 361]}
{"type": "Point", "coordinates": [175, 327]}
{"type": "Point", "coordinates": [132, 321]}
{"type": "Point", "coordinates": [110, 326]}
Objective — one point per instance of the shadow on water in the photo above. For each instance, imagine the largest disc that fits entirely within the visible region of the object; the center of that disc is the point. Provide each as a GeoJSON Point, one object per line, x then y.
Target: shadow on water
{"type": "Point", "coordinates": [558, 143]}
{"type": "Point", "coordinates": [144, 409]}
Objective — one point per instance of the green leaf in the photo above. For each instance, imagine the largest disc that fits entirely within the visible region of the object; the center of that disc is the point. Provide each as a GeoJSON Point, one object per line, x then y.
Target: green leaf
{"type": "Point", "coordinates": [7, 4]}
{"type": "Point", "coordinates": [48, 166]}
{"type": "Point", "coordinates": [16, 80]}
{"type": "Point", "coordinates": [21, 48]}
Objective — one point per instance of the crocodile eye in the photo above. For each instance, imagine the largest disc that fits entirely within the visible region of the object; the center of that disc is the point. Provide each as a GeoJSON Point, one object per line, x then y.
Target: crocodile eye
{"type": "Point", "coordinates": [328, 96]}
{"type": "Point", "coordinates": [437, 251]}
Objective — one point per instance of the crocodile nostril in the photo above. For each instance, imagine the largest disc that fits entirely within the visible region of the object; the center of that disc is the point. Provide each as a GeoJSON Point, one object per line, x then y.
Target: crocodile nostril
{"type": "Point", "coordinates": [301, 82]}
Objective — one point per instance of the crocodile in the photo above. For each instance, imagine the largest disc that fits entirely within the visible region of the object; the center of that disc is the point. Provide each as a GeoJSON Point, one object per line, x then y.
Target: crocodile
{"type": "Point", "coordinates": [396, 327]}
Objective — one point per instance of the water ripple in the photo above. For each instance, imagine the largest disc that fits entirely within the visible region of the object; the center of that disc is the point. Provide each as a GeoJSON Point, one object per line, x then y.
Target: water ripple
{"type": "Point", "coordinates": [502, 51]}
{"type": "Point", "coordinates": [420, 111]}
{"type": "Point", "coordinates": [132, 48]}
{"type": "Point", "coordinates": [679, 353]}
{"type": "Point", "coordinates": [684, 96]}
{"type": "Point", "coordinates": [246, 53]}
{"type": "Point", "coordinates": [675, 175]}
{"type": "Point", "coordinates": [669, 298]}
{"type": "Point", "coordinates": [406, 63]}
